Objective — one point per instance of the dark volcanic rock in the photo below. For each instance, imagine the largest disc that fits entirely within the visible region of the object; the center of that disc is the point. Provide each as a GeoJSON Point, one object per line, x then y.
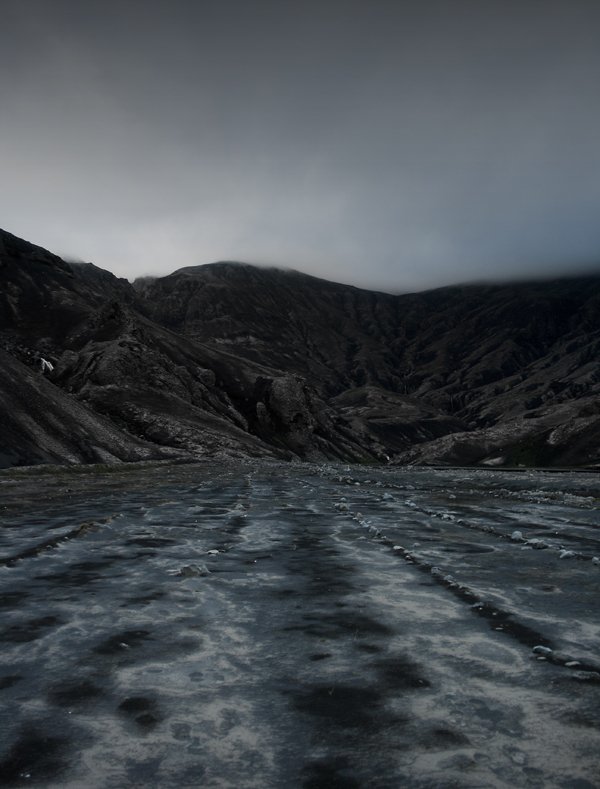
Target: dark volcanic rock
{"type": "Point", "coordinates": [154, 388]}
{"type": "Point", "coordinates": [165, 389]}
{"type": "Point", "coordinates": [102, 285]}
{"type": "Point", "coordinates": [39, 423]}
{"type": "Point", "coordinates": [42, 297]}
{"type": "Point", "coordinates": [152, 383]}
{"type": "Point", "coordinates": [39, 298]}
{"type": "Point", "coordinates": [233, 359]}
{"type": "Point", "coordinates": [335, 336]}
{"type": "Point", "coordinates": [512, 362]}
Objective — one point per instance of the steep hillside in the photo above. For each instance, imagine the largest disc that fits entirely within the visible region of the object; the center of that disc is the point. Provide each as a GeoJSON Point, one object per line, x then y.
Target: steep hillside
{"type": "Point", "coordinates": [455, 360]}
{"type": "Point", "coordinates": [39, 423]}
{"type": "Point", "coordinates": [151, 385]}
{"type": "Point", "coordinates": [42, 296]}
{"type": "Point", "coordinates": [331, 334]}
{"type": "Point", "coordinates": [160, 386]}
{"type": "Point", "coordinates": [238, 360]}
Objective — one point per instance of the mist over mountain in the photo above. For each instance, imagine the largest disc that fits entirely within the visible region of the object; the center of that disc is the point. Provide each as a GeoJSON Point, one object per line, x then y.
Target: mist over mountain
{"type": "Point", "coordinates": [232, 359]}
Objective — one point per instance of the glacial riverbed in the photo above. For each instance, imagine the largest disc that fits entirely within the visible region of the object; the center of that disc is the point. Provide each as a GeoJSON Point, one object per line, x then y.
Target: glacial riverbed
{"type": "Point", "coordinates": [280, 625]}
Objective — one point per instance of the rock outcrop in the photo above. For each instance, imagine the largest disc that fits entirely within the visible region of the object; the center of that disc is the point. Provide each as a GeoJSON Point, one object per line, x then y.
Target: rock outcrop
{"type": "Point", "coordinates": [40, 423]}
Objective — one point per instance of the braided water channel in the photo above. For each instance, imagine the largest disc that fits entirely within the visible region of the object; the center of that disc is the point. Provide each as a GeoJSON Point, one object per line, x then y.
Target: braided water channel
{"type": "Point", "coordinates": [240, 624]}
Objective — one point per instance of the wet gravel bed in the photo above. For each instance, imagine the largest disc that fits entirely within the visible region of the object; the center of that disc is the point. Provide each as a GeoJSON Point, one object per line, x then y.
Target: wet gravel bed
{"type": "Point", "coordinates": [255, 624]}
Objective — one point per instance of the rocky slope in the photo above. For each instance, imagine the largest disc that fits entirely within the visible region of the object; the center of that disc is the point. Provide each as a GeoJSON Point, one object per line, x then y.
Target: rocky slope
{"type": "Point", "coordinates": [519, 364]}
{"type": "Point", "coordinates": [39, 423]}
{"type": "Point", "coordinates": [161, 394]}
{"type": "Point", "coordinates": [238, 360]}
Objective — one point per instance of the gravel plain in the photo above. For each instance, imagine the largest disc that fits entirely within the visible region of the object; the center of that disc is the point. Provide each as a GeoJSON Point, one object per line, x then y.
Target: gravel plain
{"type": "Point", "coordinates": [260, 624]}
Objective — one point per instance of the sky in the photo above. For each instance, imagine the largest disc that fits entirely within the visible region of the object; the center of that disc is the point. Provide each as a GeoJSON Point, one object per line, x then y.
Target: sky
{"type": "Point", "coordinates": [390, 144]}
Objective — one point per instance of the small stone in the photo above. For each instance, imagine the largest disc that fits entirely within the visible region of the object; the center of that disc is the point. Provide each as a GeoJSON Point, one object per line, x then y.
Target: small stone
{"type": "Point", "coordinates": [566, 554]}
{"type": "Point", "coordinates": [535, 542]}
{"type": "Point", "coordinates": [541, 650]}
{"type": "Point", "coordinates": [517, 536]}
{"type": "Point", "coordinates": [193, 571]}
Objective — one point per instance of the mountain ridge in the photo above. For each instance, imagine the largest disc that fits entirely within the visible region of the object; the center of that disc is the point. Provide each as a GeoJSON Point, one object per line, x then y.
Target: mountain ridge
{"type": "Point", "coordinates": [230, 358]}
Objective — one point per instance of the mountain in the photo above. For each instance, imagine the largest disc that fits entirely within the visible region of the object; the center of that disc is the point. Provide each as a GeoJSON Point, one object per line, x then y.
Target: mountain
{"type": "Point", "coordinates": [232, 359]}
{"type": "Point", "coordinates": [162, 394]}
{"type": "Point", "coordinates": [518, 364]}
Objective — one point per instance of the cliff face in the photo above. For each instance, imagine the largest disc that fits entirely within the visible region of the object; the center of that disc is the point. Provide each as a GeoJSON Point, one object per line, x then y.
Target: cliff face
{"type": "Point", "coordinates": [237, 360]}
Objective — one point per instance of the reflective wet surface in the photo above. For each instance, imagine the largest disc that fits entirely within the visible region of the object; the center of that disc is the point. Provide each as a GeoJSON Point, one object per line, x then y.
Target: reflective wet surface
{"type": "Point", "coordinates": [271, 625]}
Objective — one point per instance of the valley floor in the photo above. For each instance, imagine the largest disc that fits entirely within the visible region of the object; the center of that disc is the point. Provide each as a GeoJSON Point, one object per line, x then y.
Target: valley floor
{"type": "Point", "coordinates": [288, 625]}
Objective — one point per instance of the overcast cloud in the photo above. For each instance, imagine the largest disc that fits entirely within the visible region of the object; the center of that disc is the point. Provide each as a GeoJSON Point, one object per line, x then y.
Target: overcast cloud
{"type": "Point", "coordinates": [394, 145]}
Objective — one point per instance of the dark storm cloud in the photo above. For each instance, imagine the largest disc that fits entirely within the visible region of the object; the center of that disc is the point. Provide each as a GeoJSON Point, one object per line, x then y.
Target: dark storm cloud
{"type": "Point", "coordinates": [389, 144]}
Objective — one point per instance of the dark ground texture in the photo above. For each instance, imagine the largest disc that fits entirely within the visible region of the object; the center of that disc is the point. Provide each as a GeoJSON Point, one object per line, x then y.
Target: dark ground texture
{"type": "Point", "coordinates": [259, 624]}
